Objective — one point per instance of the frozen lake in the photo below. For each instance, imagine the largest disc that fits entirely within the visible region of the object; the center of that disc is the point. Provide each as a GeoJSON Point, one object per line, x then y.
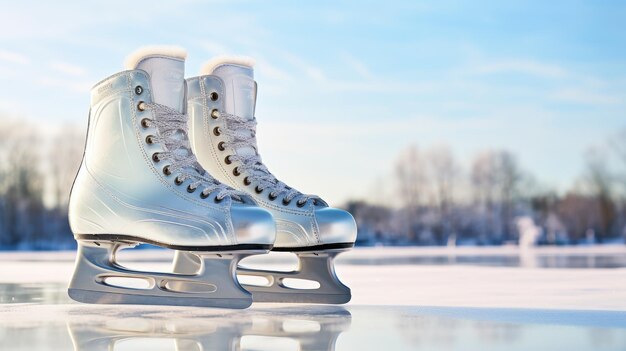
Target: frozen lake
{"type": "Point", "coordinates": [403, 299]}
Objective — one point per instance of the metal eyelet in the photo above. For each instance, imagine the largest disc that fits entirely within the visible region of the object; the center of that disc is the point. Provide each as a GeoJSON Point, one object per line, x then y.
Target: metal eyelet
{"type": "Point", "coordinates": [246, 181]}
{"type": "Point", "coordinates": [141, 106]}
{"type": "Point", "coordinates": [203, 195]}
{"type": "Point", "coordinates": [138, 90]}
{"type": "Point", "coordinates": [300, 204]}
{"type": "Point", "coordinates": [190, 189]}
{"type": "Point", "coordinates": [213, 96]}
{"type": "Point", "coordinates": [144, 123]}
{"type": "Point", "coordinates": [150, 139]}
{"type": "Point", "coordinates": [177, 181]}
{"type": "Point", "coordinates": [216, 131]}
{"type": "Point", "coordinates": [155, 157]}
{"type": "Point", "coordinates": [286, 203]}
{"type": "Point", "coordinates": [215, 114]}
{"type": "Point", "coordinates": [272, 196]}
{"type": "Point", "coordinates": [166, 170]}
{"type": "Point", "coordinates": [227, 160]}
{"type": "Point", "coordinates": [236, 172]}
{"type": "Point", "coordinates": [220, 146]}
{"type": "Point", "coordinates": [257, 190]}
{"type": "Point", "coordinates": [218, 200]}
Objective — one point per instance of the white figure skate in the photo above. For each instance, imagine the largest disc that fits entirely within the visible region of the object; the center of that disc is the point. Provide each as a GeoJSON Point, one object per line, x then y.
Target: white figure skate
{"type": "Point", "coordinates": [221, 106]}
{"type": "Point", "coordinates": [140, 183]}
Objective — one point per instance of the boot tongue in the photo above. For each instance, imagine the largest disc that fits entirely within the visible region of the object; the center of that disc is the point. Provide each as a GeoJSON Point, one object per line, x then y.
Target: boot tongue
{"type": "Point", "coordinates": [166, 69]}
{"type": "Point", "coordinates": [165, 66]}
{"type": "Point", "coordinates": [239, 89]}
{"type": "Point", "coordinates": [239, 94]}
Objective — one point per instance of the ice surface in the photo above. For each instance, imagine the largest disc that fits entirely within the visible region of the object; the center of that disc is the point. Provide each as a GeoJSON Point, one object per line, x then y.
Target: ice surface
{"type": "Point", "coordinates": [397, 304]}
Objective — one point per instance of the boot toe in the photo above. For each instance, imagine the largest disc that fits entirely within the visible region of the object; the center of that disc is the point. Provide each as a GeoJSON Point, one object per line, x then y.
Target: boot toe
{"type": "Point", "coordinates": [253, 225]}
{"type": "Point", "coordinates": [335, 226]}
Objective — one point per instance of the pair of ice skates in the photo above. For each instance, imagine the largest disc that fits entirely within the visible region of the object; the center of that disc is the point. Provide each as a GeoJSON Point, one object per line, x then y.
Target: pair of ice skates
{"type": "Point", "coordinates": [174, 163]}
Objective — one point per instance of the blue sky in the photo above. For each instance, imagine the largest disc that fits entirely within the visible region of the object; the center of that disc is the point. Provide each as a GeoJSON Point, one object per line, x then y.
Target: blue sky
{"type": "Point", "coordinates": [344, 87]}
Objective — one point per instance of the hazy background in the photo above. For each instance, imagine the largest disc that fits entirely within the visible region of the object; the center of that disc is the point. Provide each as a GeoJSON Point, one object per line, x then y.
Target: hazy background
{"type": "Point", "coordinates": [460, 122]}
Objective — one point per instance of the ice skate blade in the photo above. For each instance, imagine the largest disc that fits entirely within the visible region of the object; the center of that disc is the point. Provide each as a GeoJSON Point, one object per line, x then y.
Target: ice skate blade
{"type": "Point", "coordinates": [99, 297]}
{"type": "Point", "coordinates": [212, 284]}
{"type": "Point", "coordinates": [289, 295]}
{"type": "Point", "coordinates": [313, 266]}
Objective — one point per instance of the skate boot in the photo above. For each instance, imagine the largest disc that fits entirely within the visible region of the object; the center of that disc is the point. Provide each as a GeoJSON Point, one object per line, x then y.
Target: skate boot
{"type": "Point", "coordinates": [140, 183]}
{"type": "Point", "coordinates": [221, 106]}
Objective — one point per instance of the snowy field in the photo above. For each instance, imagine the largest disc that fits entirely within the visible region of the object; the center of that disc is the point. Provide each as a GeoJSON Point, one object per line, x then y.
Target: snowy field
{"type": "Point", "coordinates": [403, 299]}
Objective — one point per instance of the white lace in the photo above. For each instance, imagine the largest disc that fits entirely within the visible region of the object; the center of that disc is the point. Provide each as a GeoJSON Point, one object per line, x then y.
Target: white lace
{"type": "Point", "coordinates": [172, 127]}
{"type": "Point", "coordinates": [242, 133]}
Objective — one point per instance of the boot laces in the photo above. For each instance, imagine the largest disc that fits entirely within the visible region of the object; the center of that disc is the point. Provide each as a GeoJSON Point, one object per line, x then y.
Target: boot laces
{"type": "Point", "coordinates": [172, 127]}
{"type": "Point", "coordinates": [242, 134]}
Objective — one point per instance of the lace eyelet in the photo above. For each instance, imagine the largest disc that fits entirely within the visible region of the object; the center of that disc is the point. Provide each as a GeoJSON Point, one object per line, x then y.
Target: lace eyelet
{"type": "Point", "coordinates": [138, 90]}
{"type": "Point", "coordinates": [218, 200]}
{"type": "Point", "coordinates": [190, 189]}
{"type": "Point", "coordinates": [150, 139]}
{"type": "Point", "coordinates": [300, 204]}
{"type": "Point", "coordinates": [155, 157]}
{"type": "Point", "coordinates": [144, 123]}
{"type": "Point", "coordinates": [272, 196]}
{"type": "Point", "coordinates": [216, 131]}
{"type": "Point", "coordinates": [213, 96]}
{"type": "Point", "coordinates": [203, 195]}
{"type": "Point", "coordinates": [141, 106]}
{"type": "Point", "coordinates": [215, 114]}
{"type": "Point", "coordinates": [257, 190]}
{"type": "Point", "coordinates": [246, 181]}
{"type": "Point", "coordinates": [227, 160]}
{"type": "Point", "coordinates": [166, 170]}
{"type": "Point", "coordinates": [286, 203]}
{"type": "Point", "coordinates": [220, 146]}
{"type": "Point", "coordinates": [236, 172]}
{"type": "Point", "coordinates": [177, 181]}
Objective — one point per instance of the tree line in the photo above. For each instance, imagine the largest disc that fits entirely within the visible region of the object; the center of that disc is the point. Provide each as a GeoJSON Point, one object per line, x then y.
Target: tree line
{"type": "Point", "coordinates": [437, 200]}
{"type": "Point", "coordinates": [37, 168]}
{"type": "Point", "coordinates": [494, 201]}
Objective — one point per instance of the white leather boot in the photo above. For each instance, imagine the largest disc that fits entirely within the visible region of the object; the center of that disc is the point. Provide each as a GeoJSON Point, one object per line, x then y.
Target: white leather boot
{"type": "Point", "coordinates": [221, 105]}
{"type": "Point", "coordinates": [140, 183]}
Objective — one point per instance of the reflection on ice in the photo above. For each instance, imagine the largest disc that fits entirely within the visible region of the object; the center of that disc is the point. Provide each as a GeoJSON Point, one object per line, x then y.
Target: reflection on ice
{"type": "Point", "coordinates": [39, 316]}
{"type": "Point", "coordinates": [272, 329]}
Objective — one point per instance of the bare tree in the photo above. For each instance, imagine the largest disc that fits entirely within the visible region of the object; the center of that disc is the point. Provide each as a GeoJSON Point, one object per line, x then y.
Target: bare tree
{"type": "Point", "coordinates": [509, 177]}
{"type": "Point", "coordinates": [444, 171]}
{"type": "Point", "coordinates": [410, 179]}
{"type": "Point", "coordinates": [22, 185]}
{"type": "Point", "coordinates": [496, 178]}
{"type": "Point", "coordinates": [618, 143]}
{"type": "Point", "coordinates": [600, 182]}
{"type": "Point", "coordinates": [580, 213]}
{"type": "Point", "coordinates": [64, 156]}
{"type": "Point", "coordinates": [36, 173]}
{"type": "Point", "coordinates": [483, 181]}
